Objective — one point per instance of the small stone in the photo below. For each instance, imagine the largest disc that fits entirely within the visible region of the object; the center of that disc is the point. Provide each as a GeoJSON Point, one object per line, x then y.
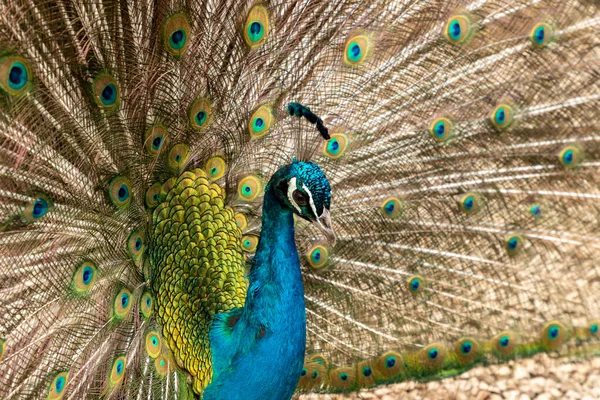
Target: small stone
{"type": "Point", "coordinates": [544, 396]}
{"type": "Point", "coordinates": [520, 373]}
{"type": "Point", "coordinates": [483, 395]}
{"type": "Point", "coordinates": [511, 395]}
{"type": "Point", "coordinates": [503, 371]}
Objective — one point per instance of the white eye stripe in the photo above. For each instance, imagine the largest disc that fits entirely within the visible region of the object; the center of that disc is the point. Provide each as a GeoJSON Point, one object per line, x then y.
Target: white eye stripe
{"type": "Point", "coordinates": [310, 200]}
{"type": "Point", "coordinates": [290, 193]}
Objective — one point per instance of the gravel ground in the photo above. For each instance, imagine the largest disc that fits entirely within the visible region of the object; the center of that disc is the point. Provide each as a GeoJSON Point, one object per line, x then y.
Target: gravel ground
{"type": "Point", "coordinates": [538, 378]}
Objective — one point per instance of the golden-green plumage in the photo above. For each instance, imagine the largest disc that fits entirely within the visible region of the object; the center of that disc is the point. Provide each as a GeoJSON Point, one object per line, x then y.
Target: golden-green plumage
{"type": "Point", "coordinates": [198, 269]}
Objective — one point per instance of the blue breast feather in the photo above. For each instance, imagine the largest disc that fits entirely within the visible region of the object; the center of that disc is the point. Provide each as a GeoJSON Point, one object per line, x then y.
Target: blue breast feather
{"type": "Point", "coordinates": [258, 351]}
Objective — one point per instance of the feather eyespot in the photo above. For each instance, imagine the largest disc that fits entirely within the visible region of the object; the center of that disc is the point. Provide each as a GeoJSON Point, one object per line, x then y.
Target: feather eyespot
{"type": "Point", "coordinates": [470, 203]}
{"type": "Point", "coordinates": [146, 304]}
{"type": "Point", "coordinates": [357, 49]}
{"type": "Point", "coordinates": [155, 139]}
{"type": "Point", "coordinates": [215, 167]}
{"type": "Point", "coordinates": [389, 364]}
{"type": "Point", "coordinates": [256, 28]}
{"type": "Point", "coordinates": [415, 284]}
{"type": "Point", "coordinates": [37, 209]}
{"type": "Point", "coordinates": [15, 75]}
{"type": "Point", "coordinates": [249, 243]}
{"type": "Point", "coordinates": [176, 35]}
{"type": "Point", "coordinates": [117, 371]}
{"type": "Point", "coordinates": [536, 210]}
{"type": "Point", "coordinates": [502, 117]}
{"type": "Point", "coordinates": [336, 146]}
{"type": "Point", "coordinates": [57, 387]}
{"type": "Point", "coordinates": [200, 114]}
{"type": "Point", "coordinates": [178, 156]}
{"type": "Point", "coordinates": [317, 257]}
{"type": "Point", "coordinates": [249, 188]}
{"type": "Point", "coordinates": [241, 221]}
{"type": "Point", "coordinates": [554, 334]}
{"type": "Point", "coordinates": [136, 244]}
{"type": "Point", "coordinates": [119, 192]}
{"type": "Point", "coordinates": [153, 195]}
{"type": "Point", "coordinates": [466, 350]}
{"type": "Point", "coordinates": [260, 122]}
{"type": "Point", "coordinates": [570, 156]}
{"type": "Point", "coordinates": [84, 278]}
{"type": "Point", "coordinates": [458, 29]}
{"type": "Point", "coordinates": [106, 92]}
{"type": "Point", "coordinates": [121, 304]}
{"type": "Point", "coordinates": [153, 344]}
{"type": "Point", "coordinates": [391, 207]}
{"type": "Point", "coordinates": [514, 244]}
{"type": "Point", "coordinates": [505, 342]}
{"type": "Point", "coordinates": [161, 365]}
{"type": "Point", "coordinates": [541, 35]}
{"type": "Point", "coordinates": [441, 129]}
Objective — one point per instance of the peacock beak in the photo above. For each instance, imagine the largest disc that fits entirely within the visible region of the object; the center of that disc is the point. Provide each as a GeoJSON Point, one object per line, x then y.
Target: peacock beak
{"type": "Point", "coordinates": [324, 224]}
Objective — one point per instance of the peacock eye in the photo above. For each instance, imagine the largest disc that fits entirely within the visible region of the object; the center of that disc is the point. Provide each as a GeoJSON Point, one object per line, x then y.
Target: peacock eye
{"type": "Point", "coordinates": [299, 198]}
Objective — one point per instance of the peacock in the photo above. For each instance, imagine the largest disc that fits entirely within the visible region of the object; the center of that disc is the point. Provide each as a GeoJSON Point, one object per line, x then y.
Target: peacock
{"type": "Point", "coordinates": [248, 199]}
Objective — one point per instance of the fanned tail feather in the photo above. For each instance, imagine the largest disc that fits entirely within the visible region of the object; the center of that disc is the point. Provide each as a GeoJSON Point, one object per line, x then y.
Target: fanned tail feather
{"type": "Point", "coordinates": [463, 160]}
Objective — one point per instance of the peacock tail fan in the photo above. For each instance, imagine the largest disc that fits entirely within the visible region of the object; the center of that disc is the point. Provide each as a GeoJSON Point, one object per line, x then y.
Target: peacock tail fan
{"type": "Point", "coordinates": [137, 137]}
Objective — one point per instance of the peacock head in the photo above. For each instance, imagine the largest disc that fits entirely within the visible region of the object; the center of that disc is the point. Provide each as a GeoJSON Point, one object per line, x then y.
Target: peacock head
{"type": "Point", "coordinates": [303, 188]}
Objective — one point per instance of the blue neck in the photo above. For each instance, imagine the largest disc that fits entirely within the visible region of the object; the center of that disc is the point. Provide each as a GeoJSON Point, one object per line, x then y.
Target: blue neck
{"type": "Point", "coordinates": [262, 355]}
{"type": "Point", "coordinates": [275, 276]}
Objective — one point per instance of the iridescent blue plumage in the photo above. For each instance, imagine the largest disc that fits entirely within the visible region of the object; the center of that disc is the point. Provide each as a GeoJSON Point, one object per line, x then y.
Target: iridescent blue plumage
{"type": "Point", "coordinates": [268, 334]}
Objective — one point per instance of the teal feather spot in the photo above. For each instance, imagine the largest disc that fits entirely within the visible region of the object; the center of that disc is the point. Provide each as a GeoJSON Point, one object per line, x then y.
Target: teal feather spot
{"type": "Point", "coordinates": [454, 30]}
{"type": "Point", "coordinates": [469, 202]}
{"type": "Point", "coordinates": [108, 96]}
{"type": "Point", "coordinates": [594, 329]}
{"type": "Point", "coordinates": [553, 332]}
{"type": "Point", "coordinates": [123, 192]}
{"type": "Point", "coordinates": [124, 300]}
{"type": "Point", "coordinates": [513, 242]}
{"type": "Point", "coordinates": [466, 347]}
{"type": "Point", "coordinates": [433, 353]}
{"type": "Point", "coordinates": [539, 34]}
{"type": "Point", "coordinates": [316, 256]}
{"type": "Point", "coordinates": [440, 129]}
{"type": "Point", "coordinates": [120, 367]}
{"type": "Point", "coordinates": [390, 362]}
{"type": "Point", "coordinates": [366, 371]}
{"type": "Point", "coordinates": [415, 284]}
{"type": "Point", "coordinates": [344, 376]}
{"type": "Point", "coordinates": [177, 39]}
{"type": "Point", "coordinates": [303, 372]}
{"type": "Point", "coordinates": [333, 147]}
{"type": "Point", "coordinates": [568, 157]}
{"type": "Point", "coordinates": [504, 341]}
{"type": "Point", "coordinates": [17, 77]}
{"type": "Point", "coordinates": [258, 124]}
{"type": "Point", "coordinates": [536, 210]}
{"type": "Point", "coordinates": [40, 208]}
{"type": "Point", "coordinates": [500, 116]}
{"type": "Point", "coordinates": [200, 117]}
{"type": "Point", "coordinates": [87, 275]}
{"type": "Point", "coordinates": [157, 143]}
{"type": "Point", "coordinates": [354, 52]}
{"type": "Point", "coordinates": [256, 31]}
{"type": "Point", "coordinates": [59, 384]}
{"type": "Point", "coordinates": [315, 374]}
